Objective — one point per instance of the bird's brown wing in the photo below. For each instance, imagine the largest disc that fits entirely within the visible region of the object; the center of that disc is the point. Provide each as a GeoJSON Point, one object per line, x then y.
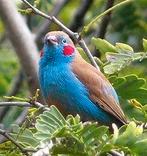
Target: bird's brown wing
{"type": "Point", "coordinates": [98, 87]}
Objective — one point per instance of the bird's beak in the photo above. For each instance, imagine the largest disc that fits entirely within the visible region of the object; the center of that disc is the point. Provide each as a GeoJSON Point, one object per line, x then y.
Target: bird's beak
{"type": "Point", "coordinates": [52, 40]}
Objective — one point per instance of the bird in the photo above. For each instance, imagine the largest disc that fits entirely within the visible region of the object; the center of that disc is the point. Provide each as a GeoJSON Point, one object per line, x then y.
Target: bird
{"type": "Point", "coordinates": [73, 85]}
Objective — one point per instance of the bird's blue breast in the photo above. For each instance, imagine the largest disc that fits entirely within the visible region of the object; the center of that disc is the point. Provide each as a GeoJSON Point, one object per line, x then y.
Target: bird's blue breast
{"type": "Point", "coordinates": [59, 82]}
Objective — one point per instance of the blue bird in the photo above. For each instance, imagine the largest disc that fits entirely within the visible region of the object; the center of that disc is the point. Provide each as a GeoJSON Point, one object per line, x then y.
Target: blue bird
{"type": "Point", "coordinates": [75, 86]}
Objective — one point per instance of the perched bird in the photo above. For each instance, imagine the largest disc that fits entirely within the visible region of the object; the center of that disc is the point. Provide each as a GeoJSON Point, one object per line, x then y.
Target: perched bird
{"type": "Point", "coordinates": [75, 86]}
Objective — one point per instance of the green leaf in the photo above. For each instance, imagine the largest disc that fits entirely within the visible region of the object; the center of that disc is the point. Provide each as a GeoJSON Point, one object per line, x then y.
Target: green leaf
{"type": "Point", "coordinates": [106, 148]}
{"type": "Point", "coordinates": [130, 135]}
{"type": "Point", "coordinates": [9, 149]}
{"type": "Point", "coordinates": [140, 147]}
{"type": "Point", "coordinates": [130, 87]}
{"type": "Point", "coordinates": [58, 115]}
{"type": "Point", "coordinates": [91, 133]}
{"type": "Point", "coordinates": [74, 123]}
{"type": "Point", "coordinates": [103, 45]}
{"type": "Point", "coordinates": [118, 61]}
{"type": "Point", "coordinates": [117, 58]}
{"type": "Point", "coordinates": [145, 44]}
{"type": "Point", "coordinates": [97, 133]}
{"type": "Point", "coordinates": [117, 81]}
{"type": "Point", "coordinates": [112, 68]}
{"type": "Point", "coordinates": [49, 123]}
{"type": "Point", "coordinates": [24, 136]}
{"type": "Point", "coordinates": [123, 48]}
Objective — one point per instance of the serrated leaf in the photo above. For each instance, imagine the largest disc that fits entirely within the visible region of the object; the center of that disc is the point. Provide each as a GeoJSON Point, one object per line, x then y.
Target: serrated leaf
{"type": "Point", "coordinates": [116, 57]}
{"type": "Point", "coordinates": [133, 87]}
{"type": "Point", "coordinates": [117, 81]}
{"type": "Point", "coordinates": [139, 56]}
{"type": "Point", "coordinates": [117, 61]}
{"type": "Point", "coordinates": [124, 48]}
{"type": "Point", "coordinates": [145, 44]}
{"type": "Point", "coordinates": [112, 68]}
{"type": "Point", "coordinates": [124, 57]}
{"type": "Point", "coordinates": [103, 45]}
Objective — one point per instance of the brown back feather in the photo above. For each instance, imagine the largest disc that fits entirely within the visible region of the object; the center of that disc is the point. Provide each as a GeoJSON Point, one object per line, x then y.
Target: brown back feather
{"type": "Point", "coordinates": [95, 82]}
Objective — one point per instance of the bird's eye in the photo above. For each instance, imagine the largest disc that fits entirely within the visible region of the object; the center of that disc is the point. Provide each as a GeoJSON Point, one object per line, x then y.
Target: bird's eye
{"type": "Point", "coordinates": [63, 40]}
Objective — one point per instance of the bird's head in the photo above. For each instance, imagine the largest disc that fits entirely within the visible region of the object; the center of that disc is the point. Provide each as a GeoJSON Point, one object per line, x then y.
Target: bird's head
{"type": "Point", "coordinates": [58, 48]}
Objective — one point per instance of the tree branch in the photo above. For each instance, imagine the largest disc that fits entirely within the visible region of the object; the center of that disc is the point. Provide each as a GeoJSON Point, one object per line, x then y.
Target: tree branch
{"type": "Point", "coordinates": [6, 135]}
{"type": "Point", "coordinates": [30, 103]}
{"type": "Point", "coordinates": [16, 83]}
{"type": "Point", "coordinates": [104, 25]}
{"type": "Point", "coordinates": [44, 27]}
{"type": "Point", "coordinates": [19, 104]}
{"type": "Point", "coordinates": [22, 41]}
{"type": "Point", "coordinates": [78, 19]}
{"type": "Point", "coordinates": [75, 36]}
{"type": "Point", "coordinates": [105, 21]}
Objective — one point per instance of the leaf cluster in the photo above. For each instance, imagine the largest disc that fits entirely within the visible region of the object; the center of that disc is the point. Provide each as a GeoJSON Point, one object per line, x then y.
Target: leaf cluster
{"type": "Point", "coordinates": [72, 137]}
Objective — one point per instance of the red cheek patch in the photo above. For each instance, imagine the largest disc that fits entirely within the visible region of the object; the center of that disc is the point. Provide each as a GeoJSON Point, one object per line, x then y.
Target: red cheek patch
{"type": "Point", "coordinates": [41, 53]}
{"type": "Point", "coordinates": [68, 50]}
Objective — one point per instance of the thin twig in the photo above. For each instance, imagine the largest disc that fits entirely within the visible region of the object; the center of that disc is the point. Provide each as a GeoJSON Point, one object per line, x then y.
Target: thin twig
{"type": "Point", "coordinates": [104, 25]}
{"type": "Point", "coordinates": [19, 104]}
{"type": "Point", "coordinates": [25, 104]}
{"type": "Point", "coordinates": [5, 134]}
{"type": "Point", "coordinates": [86, 28]}
{"type": "Point", "coordinates": [75, 36]}
{"type": "Point", "coordinates": [81, 43]}
{"type": "Point", "coordinates": [105, 21]}
{"type": "Point", "coordinates": [78, 19]}
{"type": "Point", "coordinates": [16, 83]}
{"type": "Point", "coordinates": [44, 27]}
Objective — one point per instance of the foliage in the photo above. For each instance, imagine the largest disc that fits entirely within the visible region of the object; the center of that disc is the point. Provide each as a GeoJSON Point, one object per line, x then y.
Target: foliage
{"type": "Point", "coordinates": [8, 68]}
{"type": "Point", "coordinates": [118, 56]}
{"type": "Point", "coordinates": [9, 149]}
{"type": "Point", "coordinates": [70, 136]}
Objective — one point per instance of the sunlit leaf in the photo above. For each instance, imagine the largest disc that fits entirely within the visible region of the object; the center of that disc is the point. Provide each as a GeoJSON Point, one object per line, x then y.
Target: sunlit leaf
{"type": "Point", "coordinates": [145, 44]}
{"type": "Point", "coordinates": [129, 137]}
{"type": "Point", "coordinates": [130, 87]}
{"type": "Point", "coordinates": [24, 136]}
{"type": "Point", "coordinates": [102, 45]}
{"type": "Point", "coordinates": [118, 61]}
{"type": "Point", "coordinates": [123, 48]}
